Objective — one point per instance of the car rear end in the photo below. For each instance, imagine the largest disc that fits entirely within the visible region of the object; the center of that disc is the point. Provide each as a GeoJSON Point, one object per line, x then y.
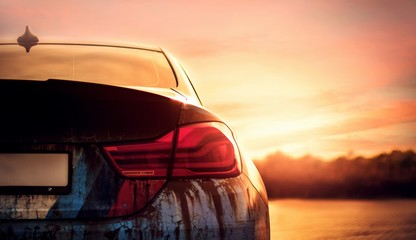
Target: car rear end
{"type": "Point", "coordinates": [104, 142]}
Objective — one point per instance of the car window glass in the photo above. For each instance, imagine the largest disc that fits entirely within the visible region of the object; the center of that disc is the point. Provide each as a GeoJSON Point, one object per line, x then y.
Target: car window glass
{"type": "Point", "coordinates": [105, 65]}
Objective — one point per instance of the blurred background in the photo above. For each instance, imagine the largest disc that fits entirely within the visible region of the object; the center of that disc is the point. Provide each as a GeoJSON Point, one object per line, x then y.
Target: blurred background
{"type": "Point", "coordinates": [322, 94]}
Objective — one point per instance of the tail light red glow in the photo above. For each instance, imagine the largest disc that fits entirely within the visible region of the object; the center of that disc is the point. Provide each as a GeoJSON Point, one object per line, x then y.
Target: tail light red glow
{"type": "Point", "coordinates": [200, 150]}
{"type": "Point", "coordinates": [205, 150]}
{"type": "Point", "coordinates": [147, 159]}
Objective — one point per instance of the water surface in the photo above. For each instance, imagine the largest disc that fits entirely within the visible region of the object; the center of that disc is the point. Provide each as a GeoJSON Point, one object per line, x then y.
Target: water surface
{"type": "Point", "coordinates": [343, 219]}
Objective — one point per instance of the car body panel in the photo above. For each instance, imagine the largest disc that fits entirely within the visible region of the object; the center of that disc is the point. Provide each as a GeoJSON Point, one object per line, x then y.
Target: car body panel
{"type": "Point", "coordinates": [68, 111]}
{"type": "Point", "coordinates": [184, 209]}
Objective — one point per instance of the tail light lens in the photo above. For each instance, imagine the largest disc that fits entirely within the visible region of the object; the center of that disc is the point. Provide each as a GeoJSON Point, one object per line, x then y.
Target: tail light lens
{"type": "Point", "coordinates": [200, 151]}
{"type": "Point", "coordinates": [146, 159]}
{"type": "Point", "coordinates": [205, 150]}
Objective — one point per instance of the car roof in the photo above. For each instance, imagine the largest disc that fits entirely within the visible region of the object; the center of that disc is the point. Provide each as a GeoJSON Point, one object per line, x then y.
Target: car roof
{"type": "Point", "coordinates": [28, 40]}
{"type": "Point", "coordinates": [92, 44]}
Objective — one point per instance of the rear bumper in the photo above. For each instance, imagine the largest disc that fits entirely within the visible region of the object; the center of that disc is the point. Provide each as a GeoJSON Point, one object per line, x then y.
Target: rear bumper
{"type": "Point", "coordinates": [185, 209]}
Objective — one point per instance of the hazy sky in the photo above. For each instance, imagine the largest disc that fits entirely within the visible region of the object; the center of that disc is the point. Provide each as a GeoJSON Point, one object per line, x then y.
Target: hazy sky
{"type": "Point", "coordinates": [325, 78]}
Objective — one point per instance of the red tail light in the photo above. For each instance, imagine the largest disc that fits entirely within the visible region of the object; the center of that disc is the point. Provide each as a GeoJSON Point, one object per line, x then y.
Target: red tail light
{"type": "Point", "coordinates": [201, 150]}
{"type": "Point", "coordinates": [205, 150]}
{"type": "Point", "coordinates": [147, 159]}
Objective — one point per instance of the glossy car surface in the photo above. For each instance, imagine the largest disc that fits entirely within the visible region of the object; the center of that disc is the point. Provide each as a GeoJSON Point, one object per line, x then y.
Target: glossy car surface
{"type": "Point", "coordinates": [112, 142]}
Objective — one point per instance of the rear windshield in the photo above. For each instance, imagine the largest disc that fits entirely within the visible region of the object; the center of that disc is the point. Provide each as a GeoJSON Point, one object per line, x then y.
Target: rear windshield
{"type": "Point", "coordinates": [96, 64]}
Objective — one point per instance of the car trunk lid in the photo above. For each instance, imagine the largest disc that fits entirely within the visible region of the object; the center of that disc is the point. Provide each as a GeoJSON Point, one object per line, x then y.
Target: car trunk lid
{"type": "Point", "coordinates": [70, 121]}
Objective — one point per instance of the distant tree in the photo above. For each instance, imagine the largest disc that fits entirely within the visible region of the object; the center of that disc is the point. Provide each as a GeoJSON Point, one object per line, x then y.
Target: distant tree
{"type": "Point", "coordinates": [387, 175]}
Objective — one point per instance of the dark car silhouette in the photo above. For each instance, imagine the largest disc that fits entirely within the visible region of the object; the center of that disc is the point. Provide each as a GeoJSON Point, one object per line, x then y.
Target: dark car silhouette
{"type": "Point", "coordinates": [112, 142]}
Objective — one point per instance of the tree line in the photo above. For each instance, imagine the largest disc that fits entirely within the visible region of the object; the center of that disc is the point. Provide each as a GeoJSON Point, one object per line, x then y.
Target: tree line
{"type": "Point", "coordinates": [387, 175]}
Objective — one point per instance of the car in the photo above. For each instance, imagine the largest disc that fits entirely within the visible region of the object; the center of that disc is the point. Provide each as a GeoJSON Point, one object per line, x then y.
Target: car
{"type": "Point", "coordinates": [104, 141]}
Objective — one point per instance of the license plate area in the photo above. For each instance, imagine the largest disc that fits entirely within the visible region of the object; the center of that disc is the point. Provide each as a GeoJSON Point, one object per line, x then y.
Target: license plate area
{"type": "Point", "coordinates": [35, 173]}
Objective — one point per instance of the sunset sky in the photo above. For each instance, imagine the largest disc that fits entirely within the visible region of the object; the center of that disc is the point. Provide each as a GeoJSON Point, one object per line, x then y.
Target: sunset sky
{"type": "Point", "coordinates": [326, 78]}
